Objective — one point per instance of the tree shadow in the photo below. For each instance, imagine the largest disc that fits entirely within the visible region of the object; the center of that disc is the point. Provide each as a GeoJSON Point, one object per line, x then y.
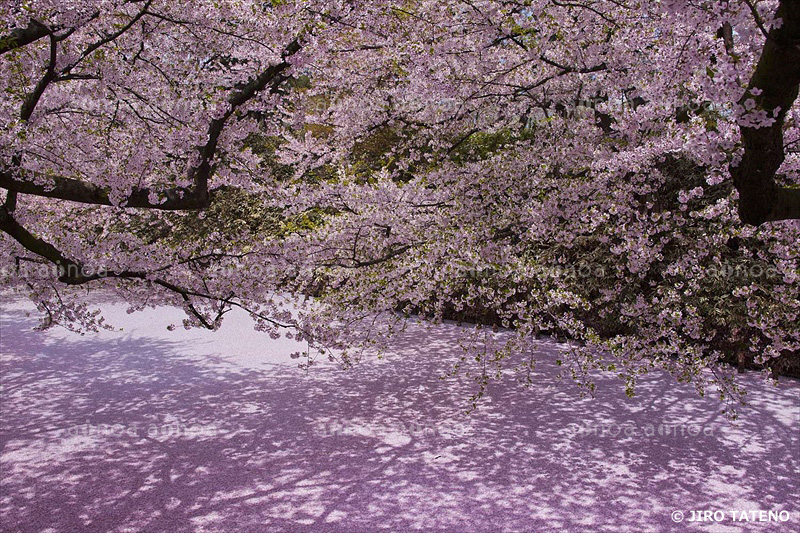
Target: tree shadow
{"type": "Point", "coordinates": [135, 432]}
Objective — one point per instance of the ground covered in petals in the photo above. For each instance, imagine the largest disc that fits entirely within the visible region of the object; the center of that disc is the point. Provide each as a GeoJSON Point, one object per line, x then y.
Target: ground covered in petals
{"type": "Point", "coordinates": [145, 429]}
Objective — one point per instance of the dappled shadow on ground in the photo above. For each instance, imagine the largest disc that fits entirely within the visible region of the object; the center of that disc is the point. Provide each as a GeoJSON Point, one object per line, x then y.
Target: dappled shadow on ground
{"type": "Point", "coordinates": [135, 431]}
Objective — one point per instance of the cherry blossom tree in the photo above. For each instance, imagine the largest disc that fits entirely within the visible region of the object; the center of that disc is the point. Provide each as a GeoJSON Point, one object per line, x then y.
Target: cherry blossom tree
{"type": "Point", "coordinates": [622, 174]}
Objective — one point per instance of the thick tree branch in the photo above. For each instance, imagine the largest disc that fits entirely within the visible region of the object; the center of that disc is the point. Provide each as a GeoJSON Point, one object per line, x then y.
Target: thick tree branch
{"type": "Point", "coordinates": [566, 69]}
{"type": "Point", "coordinates": [773, 88]}
{"type": "Point", "coordinates": [34, 31]}
{"type": "Point", "coordinates": [50, 74]}
{"type": "Point", "coordinates": [74, 190]}
{"type": "Point", "coordinates": [32, 243]}
{"type": "Point", "coordinates": [20, 37]}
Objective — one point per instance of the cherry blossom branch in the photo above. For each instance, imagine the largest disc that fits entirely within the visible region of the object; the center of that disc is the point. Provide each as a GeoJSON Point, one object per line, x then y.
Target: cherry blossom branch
{"type": "Point", "coordinates": [178, 198]}
{"type": "Point", "coordinates": [273, 77]}
{"type": "Point", "coordinates": [108, 38]}
{"type": "Point", "coordinates": [757, 18]}
{"type": "Point", "coordinates": [74, 273]}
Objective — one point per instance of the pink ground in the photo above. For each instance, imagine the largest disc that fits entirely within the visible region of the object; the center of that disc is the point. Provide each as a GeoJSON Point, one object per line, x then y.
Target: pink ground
{"type": "Point", "coordinates": [150, 430]}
